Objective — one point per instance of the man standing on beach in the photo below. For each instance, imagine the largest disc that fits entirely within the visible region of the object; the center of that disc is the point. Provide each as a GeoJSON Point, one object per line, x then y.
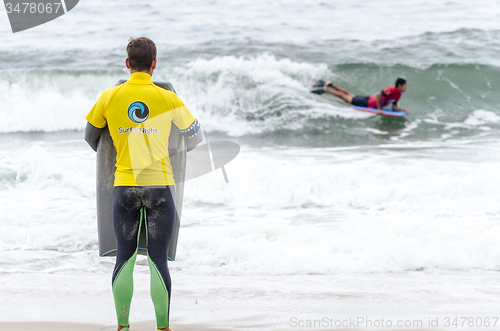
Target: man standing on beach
{"type": "Point", "coordinates": [134, 112]}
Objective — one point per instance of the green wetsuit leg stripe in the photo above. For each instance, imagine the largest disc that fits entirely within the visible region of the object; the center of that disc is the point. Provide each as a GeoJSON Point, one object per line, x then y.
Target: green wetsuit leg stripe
{"type": "Point", "coordinates": [123, 289]}
{"type": "Point", "coordinates": [159, 291]}
{"type": "Point", "coordinates": [123, 284]}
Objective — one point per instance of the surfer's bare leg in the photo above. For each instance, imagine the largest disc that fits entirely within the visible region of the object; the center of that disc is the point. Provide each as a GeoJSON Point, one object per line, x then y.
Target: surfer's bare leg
{"type": "Point", "coordinates": [329, 83]}
{"type": "Point", "coordinates": [338, 92]}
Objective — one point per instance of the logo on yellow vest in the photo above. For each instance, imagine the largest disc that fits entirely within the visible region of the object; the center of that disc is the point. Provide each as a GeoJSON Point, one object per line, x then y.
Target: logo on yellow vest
{"type": "Point", "coordinates": [147, 131]}
{"type": "Point", "coordinates": [138, 112]}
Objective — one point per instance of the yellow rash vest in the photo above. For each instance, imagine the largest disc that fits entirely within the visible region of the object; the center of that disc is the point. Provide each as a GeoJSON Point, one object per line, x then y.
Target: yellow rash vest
{"type": "Point", "coordinates": [139, 116]}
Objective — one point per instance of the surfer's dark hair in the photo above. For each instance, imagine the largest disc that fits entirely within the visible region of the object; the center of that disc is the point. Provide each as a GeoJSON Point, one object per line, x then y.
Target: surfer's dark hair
{"type": "Point", "coordinates": [141, 53]}
{"type": "Point", "coordinates": [400, 81]}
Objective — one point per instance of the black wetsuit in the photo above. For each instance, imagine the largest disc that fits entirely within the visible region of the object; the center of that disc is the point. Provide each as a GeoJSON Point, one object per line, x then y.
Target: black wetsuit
{"type": "Point", "coordinates": [154, 208]}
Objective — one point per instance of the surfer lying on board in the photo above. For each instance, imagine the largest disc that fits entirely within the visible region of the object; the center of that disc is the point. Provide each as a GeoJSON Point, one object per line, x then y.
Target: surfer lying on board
{"type": "Point", "coordinates": [381, 99]}
{"type": "Point", "coordinates": [139, 116]}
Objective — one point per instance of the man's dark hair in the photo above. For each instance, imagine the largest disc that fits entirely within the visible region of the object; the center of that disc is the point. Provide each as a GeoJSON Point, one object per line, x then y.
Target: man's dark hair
{"type": "Point", "coordinates": [400, 81]}
{"type": "Point", "coordinates": [141, 53]}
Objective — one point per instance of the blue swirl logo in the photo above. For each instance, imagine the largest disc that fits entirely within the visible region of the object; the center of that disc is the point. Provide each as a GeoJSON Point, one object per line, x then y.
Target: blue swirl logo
{"type": "Point", "coordinates": [138, 112]}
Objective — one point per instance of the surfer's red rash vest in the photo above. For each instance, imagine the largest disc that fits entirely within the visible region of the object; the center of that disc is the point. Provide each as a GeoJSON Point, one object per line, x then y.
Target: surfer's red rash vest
{"type": "Point", "coordinates": [139, 116]}
{"type": "Point", "coordinates": [389, 95]}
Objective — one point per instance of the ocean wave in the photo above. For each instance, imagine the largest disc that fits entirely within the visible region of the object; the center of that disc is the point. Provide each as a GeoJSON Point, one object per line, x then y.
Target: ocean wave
{"type": "Point", "coordinates": [266, 96]}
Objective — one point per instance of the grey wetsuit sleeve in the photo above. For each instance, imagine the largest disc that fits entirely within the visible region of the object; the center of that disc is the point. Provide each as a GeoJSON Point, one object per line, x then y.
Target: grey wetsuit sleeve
{"type": "Point", "coordinates": [193, 135]}
{"type": "Point", "coordinates": [92, 135]}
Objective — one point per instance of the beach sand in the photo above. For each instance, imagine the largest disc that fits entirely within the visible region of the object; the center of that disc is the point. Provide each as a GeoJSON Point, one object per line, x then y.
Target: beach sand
{"type": "Point", "coordinates": [139, 326]}
{"type": "Point", "coordinates": [61, 326]}
{"type": "Point", "coordinates": [69, 300]}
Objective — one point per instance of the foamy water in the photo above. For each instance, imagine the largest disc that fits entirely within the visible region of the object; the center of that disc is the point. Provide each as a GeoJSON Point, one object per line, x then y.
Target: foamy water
{"type": "Point", "coordinates": [392, 208]}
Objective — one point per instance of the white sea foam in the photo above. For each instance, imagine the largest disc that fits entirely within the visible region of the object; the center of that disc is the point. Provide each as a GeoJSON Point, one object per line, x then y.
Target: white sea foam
{"type": "Point", "coordinates": [480, 117]}
{"type": "Point", "coordinates": [291, 211]}
{"type": "Point", "coordinates": [240, 95]}
{"type": "Point", "coordinates": [49, 100]}
{"type": "Point", "coordinates": [336, 213]}
{"type": "Point", "coordinates": [48, 200]}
